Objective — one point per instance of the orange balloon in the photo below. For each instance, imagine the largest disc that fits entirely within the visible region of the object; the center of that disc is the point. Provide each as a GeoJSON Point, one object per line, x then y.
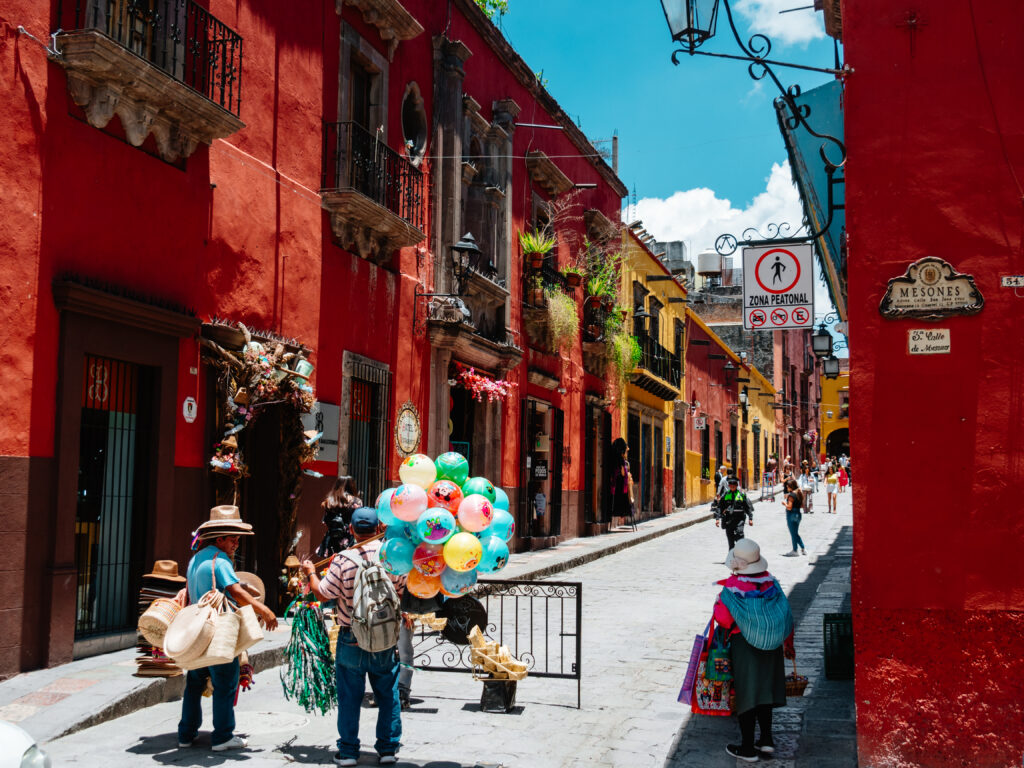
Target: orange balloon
{"type": "Point", "coordinates": [423, 586]}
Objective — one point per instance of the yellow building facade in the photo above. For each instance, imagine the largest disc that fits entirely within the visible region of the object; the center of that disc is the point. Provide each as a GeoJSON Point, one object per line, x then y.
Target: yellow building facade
{"type": "Point", "coordinates": [656, 320]}
{"type": "Point", "coordinates": [835, 414]}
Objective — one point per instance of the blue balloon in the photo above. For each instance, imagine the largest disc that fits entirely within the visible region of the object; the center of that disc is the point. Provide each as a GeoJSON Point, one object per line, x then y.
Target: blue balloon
{"type": "Point", "coordinates": [500, 499]}
{"type": "Point", "coordinates": [495, 555]}
{"type": "Point", "coordinates": [435, 526]}
{"type": "Point", "coordinates": [503, 525]}
{"type": "Point", "coordinates": [457, 582]}
{"type": "Point", "coordinates": [401, 530]}
{"type": "Point", "coordinates": [383, 505]}
{"type": "Point", "coordinates": [396, 556]}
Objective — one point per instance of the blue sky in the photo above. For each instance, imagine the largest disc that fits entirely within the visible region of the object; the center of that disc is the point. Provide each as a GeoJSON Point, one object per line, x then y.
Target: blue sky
{"type": "Point", "coordinates": [698, 141]}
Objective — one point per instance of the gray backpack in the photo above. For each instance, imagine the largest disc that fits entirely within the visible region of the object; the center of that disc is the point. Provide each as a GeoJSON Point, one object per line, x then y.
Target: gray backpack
{"type": "Point", "coordinates": [376, 615]}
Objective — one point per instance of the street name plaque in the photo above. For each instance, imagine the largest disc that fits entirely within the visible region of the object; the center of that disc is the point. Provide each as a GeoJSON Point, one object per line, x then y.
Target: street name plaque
{"type": "Point", "coordinates": [928, 341]}
{"type": "Point", "coordinates": [931, 289]}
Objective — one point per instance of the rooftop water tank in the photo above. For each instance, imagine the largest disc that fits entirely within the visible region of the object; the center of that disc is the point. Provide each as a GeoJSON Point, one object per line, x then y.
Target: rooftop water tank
{"type": "Point", "coordinates": [709, 264]}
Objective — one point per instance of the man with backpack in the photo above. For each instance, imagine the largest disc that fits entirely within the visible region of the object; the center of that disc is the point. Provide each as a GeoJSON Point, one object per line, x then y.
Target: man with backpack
{"type": "Point", "coordinates": [369, 616]}
{"type": "Point", "coordinates": [733, 511]}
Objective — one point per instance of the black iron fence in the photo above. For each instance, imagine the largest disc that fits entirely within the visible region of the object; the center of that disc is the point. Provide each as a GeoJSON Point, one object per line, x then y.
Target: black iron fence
{"type": "Point", "coordinates": [178, 36]}
{"type": "Point", "coordinates": [594, 317]}
{"type": "Point", "coordinates": [355, 158]}
{"type": "Point", "coordinates": [538, 280]}
{"type": "Point", "coordinates": [539, 621]}
{"type": "Point", "coordinates": [659, 361]}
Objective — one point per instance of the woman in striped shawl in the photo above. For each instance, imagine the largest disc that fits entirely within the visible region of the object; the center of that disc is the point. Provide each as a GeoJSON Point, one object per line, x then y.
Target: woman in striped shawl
{"type": "Point", "coordinates": [754, 612]}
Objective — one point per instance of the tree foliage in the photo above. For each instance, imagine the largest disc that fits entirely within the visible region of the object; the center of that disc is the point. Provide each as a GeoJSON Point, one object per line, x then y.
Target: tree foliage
{"type": "Point", "coordinates": [493, 7]}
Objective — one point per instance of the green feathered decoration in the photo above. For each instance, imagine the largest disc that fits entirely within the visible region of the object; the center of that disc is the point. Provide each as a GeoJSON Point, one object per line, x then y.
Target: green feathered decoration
{"type": "Point", "coordinates": [308, 673]}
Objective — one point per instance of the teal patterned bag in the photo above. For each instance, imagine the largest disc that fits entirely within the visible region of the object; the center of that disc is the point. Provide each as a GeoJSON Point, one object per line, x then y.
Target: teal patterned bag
{"type": "Point", "coordinates": [719, 664]}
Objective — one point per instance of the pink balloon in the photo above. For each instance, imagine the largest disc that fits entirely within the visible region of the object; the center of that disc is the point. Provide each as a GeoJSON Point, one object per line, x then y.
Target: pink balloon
{"type": "Point", "coordinates": [475, 512]}
{"type": "Point", "coordinates": [408, 502]}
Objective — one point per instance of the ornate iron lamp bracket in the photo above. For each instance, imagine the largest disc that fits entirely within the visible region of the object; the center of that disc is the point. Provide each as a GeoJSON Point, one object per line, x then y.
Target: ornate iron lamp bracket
{"type": "Point", "coordinates": [756, 52]}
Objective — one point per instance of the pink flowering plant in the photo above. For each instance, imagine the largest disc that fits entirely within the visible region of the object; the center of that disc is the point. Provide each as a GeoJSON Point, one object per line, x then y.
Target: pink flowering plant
{"type": "Point", "coordinates": [483, 386]}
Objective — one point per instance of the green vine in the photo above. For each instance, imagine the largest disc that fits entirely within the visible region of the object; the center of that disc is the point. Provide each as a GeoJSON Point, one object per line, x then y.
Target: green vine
{"type": "Point", "coordinates": [563, 318]}
{"type": "Point", "coordinates": [492, 7]}
{"type": "Point", "coordinates": [623, 350]}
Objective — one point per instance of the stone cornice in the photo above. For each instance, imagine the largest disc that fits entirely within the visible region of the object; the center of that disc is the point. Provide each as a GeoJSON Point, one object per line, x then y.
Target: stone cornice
{"type": "Point", "coordinates": [544, 171]}
{"type": "Point", "coordinates": [469, 347]}
{"type": "Point", "coordinates": [72, 297]}
{"type": "Point", "coordinates": [366, 228]}
{"type": "Point", "coordinates": [599, 226]}
{"type": "Point", "coordinates": [526, 77]}
{"type": "Point", "coordinates": [389, 17]}
{"type": "Point", "coordinates": [105, 79]}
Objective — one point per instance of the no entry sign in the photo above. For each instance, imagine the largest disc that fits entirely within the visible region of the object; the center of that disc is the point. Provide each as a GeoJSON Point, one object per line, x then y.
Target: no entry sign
{"type": "Point", "coordinates": [778, 287]}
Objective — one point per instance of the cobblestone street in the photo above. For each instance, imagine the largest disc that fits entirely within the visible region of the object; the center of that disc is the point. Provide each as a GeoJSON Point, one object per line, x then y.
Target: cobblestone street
{"type": "Point", "coordinates": [642, 607]}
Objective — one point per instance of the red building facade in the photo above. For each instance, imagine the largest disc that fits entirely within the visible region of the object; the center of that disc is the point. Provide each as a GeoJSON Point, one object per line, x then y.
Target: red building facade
{"type": "Point", "coordinates": [311, 189]}
{"type": "Point", "coordinates": [939, 638]}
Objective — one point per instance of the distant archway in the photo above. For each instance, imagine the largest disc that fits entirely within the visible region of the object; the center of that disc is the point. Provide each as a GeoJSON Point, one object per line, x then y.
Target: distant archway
{"type": "Point", "coordinates": [838, 442]}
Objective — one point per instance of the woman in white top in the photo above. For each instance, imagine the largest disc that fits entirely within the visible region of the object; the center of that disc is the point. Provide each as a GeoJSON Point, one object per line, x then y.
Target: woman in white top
{"type": "Point", "coordinates": [808, 485]}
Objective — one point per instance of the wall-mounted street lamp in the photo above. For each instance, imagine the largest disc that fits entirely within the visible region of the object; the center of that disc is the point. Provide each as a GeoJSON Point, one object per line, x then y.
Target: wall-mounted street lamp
{"type": "Point", "coordinates": [831, 367]}
{"type": "Point", "coordinates": [466, 257]}
{"type": "Point", "coordinates": [691, 23]}
{"type": "Point", "coordinates": [821, 342]}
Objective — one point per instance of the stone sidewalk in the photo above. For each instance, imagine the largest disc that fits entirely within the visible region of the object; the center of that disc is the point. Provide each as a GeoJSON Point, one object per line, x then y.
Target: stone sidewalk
{"type": "Point", "coordinates": [51, 703]}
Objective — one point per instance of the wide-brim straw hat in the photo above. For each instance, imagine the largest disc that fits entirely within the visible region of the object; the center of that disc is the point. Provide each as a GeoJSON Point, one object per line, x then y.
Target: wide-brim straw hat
{"type": "Point", "coordinates": [166, 570]}
{"type": "Point", "coordinates": [252, 584]}
{"type": "Point", "coordinates": [225, 520]}
{"type": "Point", "coordinates": [745, 557]}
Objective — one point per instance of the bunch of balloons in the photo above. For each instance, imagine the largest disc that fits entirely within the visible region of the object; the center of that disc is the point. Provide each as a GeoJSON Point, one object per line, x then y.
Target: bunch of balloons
{"type": "Point", "coordinates": [444, 527]}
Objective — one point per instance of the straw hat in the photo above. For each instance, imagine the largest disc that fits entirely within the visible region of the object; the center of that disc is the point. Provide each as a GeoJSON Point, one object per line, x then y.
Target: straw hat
{"type": "Point", "coordinates": [225, 520]}
{"type": "Point", "coordinates": [252, 584]}
{"type": "Point", "coordinates": [166, 570]}
{"type": "Point", "coordinates": [745, 557]}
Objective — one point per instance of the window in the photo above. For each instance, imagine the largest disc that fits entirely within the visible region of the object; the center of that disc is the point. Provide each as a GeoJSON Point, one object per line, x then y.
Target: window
{"type": "Point", "coordinates": [718, 444]}
{"type": "Point", "coordinates": [757, 458]}
{"type": "Point", "coordinates": [365, 441]}
{"type": "Point", "coordinates": [705, 453]}
{"type": "Point", "coordinates": [654, 321]}
{"type": "Point", "coordinates": [363, 82]}
{"type": "Point", "coordinates": [639, 296]}
{"type": "Point", "coordinates": [414, 124]}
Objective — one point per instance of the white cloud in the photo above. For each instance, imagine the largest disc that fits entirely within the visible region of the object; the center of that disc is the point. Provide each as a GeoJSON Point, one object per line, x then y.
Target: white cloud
{"type": "Point", "coordinates": [795, 27]}
{"type": "Point", "coordinates": [698, 216]}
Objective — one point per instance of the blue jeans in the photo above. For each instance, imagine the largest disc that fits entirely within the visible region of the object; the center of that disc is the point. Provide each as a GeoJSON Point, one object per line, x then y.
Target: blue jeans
{"type": "Point", "coordinates": [225, 683]}
{"type": "Point", "coordinates": [793, 522]}
{"type": "Point", "coordinates": [352, 667]}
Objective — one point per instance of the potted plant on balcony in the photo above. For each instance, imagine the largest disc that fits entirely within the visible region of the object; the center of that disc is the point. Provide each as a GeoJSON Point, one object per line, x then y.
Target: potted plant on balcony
{"type": "Point", "coordinates": [573, 277]}
{"type": "Point", "coordinates": [536, 245]}
{"type": "Point", "coordinates": [624, 352]}
{"type": "Point", "coordinates": [535, 293]}
{"type": "Point", "coordinates": [563, 318]}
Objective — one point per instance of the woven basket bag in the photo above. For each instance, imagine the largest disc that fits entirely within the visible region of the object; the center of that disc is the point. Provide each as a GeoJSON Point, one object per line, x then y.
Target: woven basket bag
{"type": "Point", "coordinates": [157, 618]}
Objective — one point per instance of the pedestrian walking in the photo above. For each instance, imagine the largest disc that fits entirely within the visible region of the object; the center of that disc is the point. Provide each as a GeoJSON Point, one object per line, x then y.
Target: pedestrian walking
{"type": "Point", "coordinates": [794, 502]}
{"type": "Point", "coordinates": [844, 479]}
{"type": "Point", "coordinates": [770, 469]}
{"type": "Point", "coordinates": [723, 486]}
{"type": "Point", "coordinates": [733, 511]}
{"type": "Point", "coordinates": [211, 568]}
{"type": "Point", "coordinates": [808, 486]}
{"type": "Point", "coordinates": [338, 507]}
{"type": "Point", "coordinates": [831, 487]}
{"type": "Point", "coordinates": [353, 665]}
{"type": "Point", "coordinates": [787, 467]}
{"type": "Point", "coordinates": [622, 480]}
{"type": "Point", "coordinates": [753, 611]}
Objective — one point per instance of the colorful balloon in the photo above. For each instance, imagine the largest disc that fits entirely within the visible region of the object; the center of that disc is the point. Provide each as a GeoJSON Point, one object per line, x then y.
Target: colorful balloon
{"type": "Point", "coordinates": [408, 502]}
{"type": "Point", "coordinates": [462, 552]}
{"type": "Point", "coordinates": [435, 526]}
{"type": "Point", "coordinates": [383, 505]}
{"type": "Point", "coordinates": [428, 559]}
{"type": "Point", "coordinates": [493, 556]}
{"type": "Point", "coordinates": [500, 499]}
{"type": "Point", "coordinates": [419, 470]}
{"type": "Point", "coordinates": [396, 556]}
{"type": "Point", "coordinates": [446, 494]}
{"type": "Point", "coordinates": [400, 530]}
{"type": "Point", "coordinates": [503, 525]}
{"type": "Point", "coordinates": [457, 583]}
{"type": "Point", "coordinates": [452, 466]}
{"type": "Point", "coordinates": [475, 513]}
{"type": "Point", "coordinates": [421, 585]}
{"type": "Point", "coordinates": [480, 485]}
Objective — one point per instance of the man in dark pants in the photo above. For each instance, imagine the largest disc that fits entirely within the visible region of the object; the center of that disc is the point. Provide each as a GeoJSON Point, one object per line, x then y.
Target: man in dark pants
{"type": "Point", "coordinates": [733, 511]}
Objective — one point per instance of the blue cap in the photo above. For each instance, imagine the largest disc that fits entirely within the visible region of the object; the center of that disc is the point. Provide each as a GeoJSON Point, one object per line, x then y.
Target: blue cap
{"type": "Point", "coordinates": [364, 520]}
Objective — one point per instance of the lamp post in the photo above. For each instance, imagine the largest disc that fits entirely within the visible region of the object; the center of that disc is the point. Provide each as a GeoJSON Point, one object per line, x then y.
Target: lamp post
{"type": "Point", "coordinates": [465, 258]}
{"type": "Point", "coordinates": [821, 342]}
{"type": "Point", "coordinates": [691, 23]}
{"type": "Point", "coordinates": [830, 365]}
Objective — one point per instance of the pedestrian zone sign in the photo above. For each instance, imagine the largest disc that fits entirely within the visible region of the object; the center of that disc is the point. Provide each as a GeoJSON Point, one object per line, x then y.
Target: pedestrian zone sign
{"type": "Point", "coordinates": [778, 287]}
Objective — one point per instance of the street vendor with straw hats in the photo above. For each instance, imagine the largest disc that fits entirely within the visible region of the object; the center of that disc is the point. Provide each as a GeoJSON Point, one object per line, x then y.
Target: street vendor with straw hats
{"type": "Point", "coordinates": [217, 540]}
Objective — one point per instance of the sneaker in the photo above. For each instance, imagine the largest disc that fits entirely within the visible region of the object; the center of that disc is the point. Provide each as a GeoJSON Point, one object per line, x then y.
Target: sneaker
{"type": "Point", "coordinates": [803, 551]}
{"type": "Point", "coordinates": [185, 744]}
{"type": "Point", "coordinates": [749, 755]}
{"type": "Point", "coordinates": [388, 759]}
{"type": "Point", "coordinates": [235, 742]}
{"type": "Point", "coordinates": [765, 745]}
{"type": "Point", "coordinates": [406, 703]}
{"type": "Point", "coordinates": [339, 760]}
{"type": "Point", "coordinates": [790, 554]}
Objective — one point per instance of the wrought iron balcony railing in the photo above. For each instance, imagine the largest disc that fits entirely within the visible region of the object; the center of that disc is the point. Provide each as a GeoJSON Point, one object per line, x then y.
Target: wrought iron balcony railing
{"type": "Point", "coordinates": [356, 159]}
{"type": "Point", "coordinates": [659, 361]}
{"type": "Point", "coordinates": [177, 36]}
{"type": "Point", "coordinates": [549, 278]}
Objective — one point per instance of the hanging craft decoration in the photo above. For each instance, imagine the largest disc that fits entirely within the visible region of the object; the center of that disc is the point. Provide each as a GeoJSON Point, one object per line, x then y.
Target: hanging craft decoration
{"type": "Point", "coordinates": [308, 673]}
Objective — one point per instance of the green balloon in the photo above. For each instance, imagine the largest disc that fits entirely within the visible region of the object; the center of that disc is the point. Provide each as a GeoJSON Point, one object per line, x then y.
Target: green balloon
{"type": "Point", "coordinates": [480, 485]}
{"type": "Point", "coordinates": [452, 466]}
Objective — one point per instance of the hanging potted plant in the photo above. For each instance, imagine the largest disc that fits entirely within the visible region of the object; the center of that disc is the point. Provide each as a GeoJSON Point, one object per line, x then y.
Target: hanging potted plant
{"type": "Point", "coordinates": [563, 318]}
{"type": "Point", "coordinates": [535, 245]}
{"type": "Point", "coordinates": [573, 277]}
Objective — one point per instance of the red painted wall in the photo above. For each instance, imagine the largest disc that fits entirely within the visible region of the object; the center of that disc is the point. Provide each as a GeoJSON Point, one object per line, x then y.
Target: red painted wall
{"type": "Point", "coordinates": [705, 383]}
{"type": "Point", "coordinates": [935, 132]}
